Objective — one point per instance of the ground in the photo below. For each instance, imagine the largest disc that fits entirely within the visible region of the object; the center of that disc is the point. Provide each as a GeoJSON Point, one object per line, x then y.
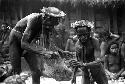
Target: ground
{"type": "Point", "coordinates": [52, 81]}
{"type": "Point", "coordinates": [78, 81]}
{"type": "Point", "coordinates": [45, 80]}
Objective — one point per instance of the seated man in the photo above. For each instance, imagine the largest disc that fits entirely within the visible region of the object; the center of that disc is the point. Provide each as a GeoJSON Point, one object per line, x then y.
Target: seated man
{"type": "Point", "coordinates": [87, 50]}
{"type": "Point", "coordinates": [114, 63]}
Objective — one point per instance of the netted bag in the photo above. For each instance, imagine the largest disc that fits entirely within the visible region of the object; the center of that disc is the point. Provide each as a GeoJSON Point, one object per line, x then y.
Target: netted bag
{"type": "Point", "coordinates": [57, 69]}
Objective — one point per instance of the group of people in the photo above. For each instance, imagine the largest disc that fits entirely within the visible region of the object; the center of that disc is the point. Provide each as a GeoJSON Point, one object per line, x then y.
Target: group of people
{"type": "Point", "coordinates": [4, 33]}
{"type": "Point", "coordinates": [98, 54]}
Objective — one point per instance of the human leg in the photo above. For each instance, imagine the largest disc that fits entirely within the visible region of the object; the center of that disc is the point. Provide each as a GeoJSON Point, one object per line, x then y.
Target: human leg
{"type": "Point", "coordinates": [74, 75]}
{"type": "Point", "coordinates": [15, 57]}
{"type": "Point", "coordinates": [123, 74]}
{"type": "Point", "coordinates": [98, 74]}
{"type": "Point", "coordinates": [34, 63]}
{"type": "Point", "coordinates": [85, 76]}
{"type": "Point", "coordinates": [123, 50]}
{"type": "Point", "coordinates": [15, 52]}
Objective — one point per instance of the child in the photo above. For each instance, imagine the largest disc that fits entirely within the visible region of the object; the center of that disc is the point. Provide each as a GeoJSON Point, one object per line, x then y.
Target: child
{"type": "Point", "coordinates": [114, 63]}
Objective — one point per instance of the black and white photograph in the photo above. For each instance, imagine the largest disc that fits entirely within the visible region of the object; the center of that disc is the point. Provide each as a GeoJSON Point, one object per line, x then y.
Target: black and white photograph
{"type": "Point", "coordinates": [62, 42]}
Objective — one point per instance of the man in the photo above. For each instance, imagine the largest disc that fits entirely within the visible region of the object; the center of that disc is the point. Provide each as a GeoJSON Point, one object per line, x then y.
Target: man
{"type": "Point", "coordinates": [5, 30]}
{"type": "Point", "coordinates": [87, 50]}
{"type": "Point", "coordinates": [4, 34]}
{"type": "Point", "coordinates": [27, 29]}
{"type": "Point", "coordinates": [106, 38]}
{"type": "Point", "coordinates": [114, 62]}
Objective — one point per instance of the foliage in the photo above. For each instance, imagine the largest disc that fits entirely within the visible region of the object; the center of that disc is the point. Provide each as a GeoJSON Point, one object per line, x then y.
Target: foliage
{"type": "Point", "coordinates": [90, 2]}
{"type": "Point", "coordinates": [82, 23]}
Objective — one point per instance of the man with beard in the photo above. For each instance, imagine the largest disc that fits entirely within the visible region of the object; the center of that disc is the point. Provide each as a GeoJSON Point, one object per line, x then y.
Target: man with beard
{"type": "Point", "coordinates": [26, 30]}
{"type": "Point", "coordinates": [88, 54]}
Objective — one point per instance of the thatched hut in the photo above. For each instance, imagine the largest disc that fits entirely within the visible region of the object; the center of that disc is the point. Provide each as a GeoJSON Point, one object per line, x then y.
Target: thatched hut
{"type": "Point", "coordinates": [107, 14]}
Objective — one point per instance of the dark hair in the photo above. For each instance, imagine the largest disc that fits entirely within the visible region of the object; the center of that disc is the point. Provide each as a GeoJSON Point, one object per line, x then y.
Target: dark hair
{"type": "Point", "coordinates": [109, 46]}
{"type": "Point", "coordinates": [4, 23]}
{"type": "Point", "coordinates": [79, 27]}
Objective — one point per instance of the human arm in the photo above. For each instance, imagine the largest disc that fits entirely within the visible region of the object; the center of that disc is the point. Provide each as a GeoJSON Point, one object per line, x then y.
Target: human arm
{"type": "Point", "coordinates": [117, 75]}
{"type": "Point", "coordinates": [106, 67]}
{"type": "Point", "coordinates": [115, 36]}
{"type": "Point", "coordinates": [99, 50]}
{"type": "Point", "coordinates": [67, 45]}
{"type": "Point", "coordinates": [123, 50]}
{"type": "Point", "coordinates": [103, 47]}
{"type": "Point", "coordinates": [78, 49]}
{"type": "Point", "coordinates": [97, 53]}
{"type": "Point", "coordinates": [29, 35]}
{"type": "Point", "coordinates": [106, 62]}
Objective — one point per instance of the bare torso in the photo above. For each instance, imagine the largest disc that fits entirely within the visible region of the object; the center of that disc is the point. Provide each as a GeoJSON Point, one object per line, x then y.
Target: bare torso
{"type": "Point", "coordinates": [71, 45]}
{"type": "Point", "coordinates": [113, 63]}
{"type": "Point", "coordinates": [88, 51]}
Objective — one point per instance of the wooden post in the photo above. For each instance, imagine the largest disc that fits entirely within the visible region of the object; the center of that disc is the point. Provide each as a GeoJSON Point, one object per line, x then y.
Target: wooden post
{"type": "Point", "coordinates": [20, 12]}
{"type": "Point", "coordinates": [115, 27]}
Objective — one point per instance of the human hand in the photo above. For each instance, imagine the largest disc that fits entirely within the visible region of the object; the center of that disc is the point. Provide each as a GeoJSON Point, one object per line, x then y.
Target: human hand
{"type": "Point", "coordinates": [109, 75]}
{"type": "Point", "coordinates": [84, 64]}
{"type": "Point", "coordinates": [50, 54]}
{"type": "Point", "coordinates": [46, 54]}
{"type": "Point", "coordinates": [75, 63]}
{"type": "Point", "coordinates": [116, 76]}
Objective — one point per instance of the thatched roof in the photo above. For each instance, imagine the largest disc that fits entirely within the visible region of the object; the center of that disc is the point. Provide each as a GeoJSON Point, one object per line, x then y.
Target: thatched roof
{"type": "Point", "coordinates": [87, 1]}
{"type": "Point", "coordinates": [105, 3]}
{"type": "Point", "coordinates": [90, 2]}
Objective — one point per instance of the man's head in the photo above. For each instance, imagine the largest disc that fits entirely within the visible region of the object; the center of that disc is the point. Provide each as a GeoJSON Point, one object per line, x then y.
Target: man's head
{"type": "Point", "coordinates": [83, 29]}
{"type": "Point", "coordinates": [83, 33]}
{"type": "Point", "coordinates": [114, 48]}
{"type": "Point", "coordinates": [53, 16]}
{"type": "Point", "coordinates": [4, 26]}
{"type": "Point", "coordinates": [103, 34]}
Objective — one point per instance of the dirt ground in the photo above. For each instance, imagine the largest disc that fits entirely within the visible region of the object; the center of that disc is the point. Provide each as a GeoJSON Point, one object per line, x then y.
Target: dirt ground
{"type": "Point", "coordinates": [45, 80]}
{"type": "Point", "coordinates": [24, 65]}
{"type": "Point", "coordinates": [78, 81]}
